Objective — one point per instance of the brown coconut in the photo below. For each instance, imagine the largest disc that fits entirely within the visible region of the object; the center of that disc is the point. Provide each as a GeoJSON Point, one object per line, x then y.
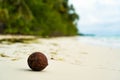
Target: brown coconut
{"type": "Point", "coordinates": [37, 61]}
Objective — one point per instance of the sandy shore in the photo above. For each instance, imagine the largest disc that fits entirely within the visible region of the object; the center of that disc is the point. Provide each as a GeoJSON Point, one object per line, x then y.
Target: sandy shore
{"type": "Point", "coordinates": [69, 59]}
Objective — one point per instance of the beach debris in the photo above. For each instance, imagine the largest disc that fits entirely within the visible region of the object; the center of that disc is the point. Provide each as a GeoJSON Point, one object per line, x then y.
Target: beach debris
{"type": "Point", "coordinates": [3, 55]}
{"type": "Point", "coordinates": [37, 61]}
{"type": "Point", "coordinates": [58, 58]}
{"type": "Point", "coordinates": [14, 59]}
{"type": "Point", "coordinates": [52, 58]}
{"type": "Point", "coordinates": [8, 41]}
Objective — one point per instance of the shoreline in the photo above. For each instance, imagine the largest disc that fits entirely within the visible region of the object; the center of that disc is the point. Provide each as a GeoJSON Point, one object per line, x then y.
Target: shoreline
{"type": "Point", "coordinates": [68, 58]}
{"type": "Point", "coordinates": [113, 42]}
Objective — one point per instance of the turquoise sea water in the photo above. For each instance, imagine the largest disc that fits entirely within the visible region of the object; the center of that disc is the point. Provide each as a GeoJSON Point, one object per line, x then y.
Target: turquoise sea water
{"type": "Point", "coordinates": [111, 41]}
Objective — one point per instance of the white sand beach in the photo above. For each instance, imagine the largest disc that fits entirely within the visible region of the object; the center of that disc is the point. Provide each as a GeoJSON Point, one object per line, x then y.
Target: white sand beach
{"type": "Point", "coordinates": [69, 59]}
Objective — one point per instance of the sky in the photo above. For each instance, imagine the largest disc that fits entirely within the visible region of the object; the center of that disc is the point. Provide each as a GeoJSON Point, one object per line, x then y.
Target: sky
{"type": "Point", "coordinates": [100, 17]}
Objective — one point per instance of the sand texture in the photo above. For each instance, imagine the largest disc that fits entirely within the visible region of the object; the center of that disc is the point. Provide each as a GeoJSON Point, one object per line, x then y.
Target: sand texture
{"type": "Point", "coordinates": [69, 59]}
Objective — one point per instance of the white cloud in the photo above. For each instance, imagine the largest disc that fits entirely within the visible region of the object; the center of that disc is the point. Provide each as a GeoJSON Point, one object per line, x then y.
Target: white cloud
{"type": "Point", "coordinates": [93, 12]}
{"type": "Point", "coordinates": [83, 3]}
{"type": "Point", "coordinates": [108, 2]}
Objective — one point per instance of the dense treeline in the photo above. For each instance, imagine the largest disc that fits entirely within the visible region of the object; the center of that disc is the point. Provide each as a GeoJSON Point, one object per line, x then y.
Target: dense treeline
{"type": "Point", "coordinates": [37, 17]}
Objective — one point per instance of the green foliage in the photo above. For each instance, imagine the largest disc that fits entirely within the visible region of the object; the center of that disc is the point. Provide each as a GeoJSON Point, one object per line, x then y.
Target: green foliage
{"type": "Point", "coordinates": [38, 17]}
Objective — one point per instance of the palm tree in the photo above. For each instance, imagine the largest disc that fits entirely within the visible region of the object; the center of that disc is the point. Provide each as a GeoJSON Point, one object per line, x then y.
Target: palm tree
{"type": "Point", "coordinates": [15, 13]}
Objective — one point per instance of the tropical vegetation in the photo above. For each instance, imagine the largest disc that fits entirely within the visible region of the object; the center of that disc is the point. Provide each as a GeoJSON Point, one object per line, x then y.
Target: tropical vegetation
{"type": "Point", "coordinates": [44, 18]}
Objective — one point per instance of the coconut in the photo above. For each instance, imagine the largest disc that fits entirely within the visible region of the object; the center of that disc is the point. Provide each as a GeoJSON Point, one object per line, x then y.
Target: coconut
{"type": "Point", "coordinates": [37, 61]}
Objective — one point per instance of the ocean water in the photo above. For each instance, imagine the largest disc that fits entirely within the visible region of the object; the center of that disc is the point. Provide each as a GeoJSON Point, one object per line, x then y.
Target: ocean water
{"type": "Point", "coordinates": [110, 41]}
